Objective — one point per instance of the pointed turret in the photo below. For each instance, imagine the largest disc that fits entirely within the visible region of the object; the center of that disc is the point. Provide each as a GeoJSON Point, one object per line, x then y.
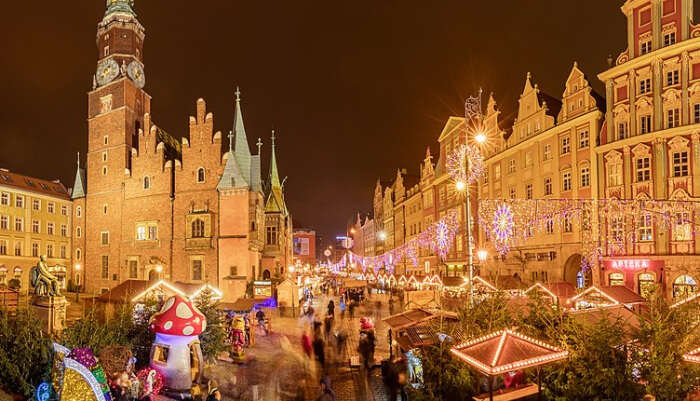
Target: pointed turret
{"type": "Point", "coordinates": [241, 150]}
{"type": "Point", "coordinates": [232, 177]}
{"type": "Point", "coordinates": [79, 184]}
{"type": "Point", "coordinates": [274, 175]}
{"type": "Point", "coordinates": [275, 199]}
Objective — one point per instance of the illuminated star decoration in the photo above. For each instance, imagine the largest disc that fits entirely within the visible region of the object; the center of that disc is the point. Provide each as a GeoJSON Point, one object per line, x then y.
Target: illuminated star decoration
{"type": "Point", "coordinates": [502, 228]}
{"type": "Point", "coordinates": [457, 168]}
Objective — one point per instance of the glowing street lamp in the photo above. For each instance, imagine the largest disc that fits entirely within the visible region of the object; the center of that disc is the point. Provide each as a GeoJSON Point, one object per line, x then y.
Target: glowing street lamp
{"type": "Point", "coordinates": [482, 254]}
{"type": "Point", "coordinates": [461, 186]}
{"type": "Point", "coordinates": [480, 137]}
{"type": "Point", "coordinates": [382, 235]}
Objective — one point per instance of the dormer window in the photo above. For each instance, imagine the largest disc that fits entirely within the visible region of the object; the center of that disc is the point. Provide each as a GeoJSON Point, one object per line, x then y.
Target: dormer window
{"type": "Point", "coordinates": [201, 175]}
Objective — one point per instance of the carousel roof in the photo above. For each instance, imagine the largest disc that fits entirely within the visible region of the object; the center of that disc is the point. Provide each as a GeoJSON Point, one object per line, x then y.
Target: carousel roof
{"type": "Point", "coordinates": [505, 351]}
{"type": "Point", "coordinates": [692, 356]}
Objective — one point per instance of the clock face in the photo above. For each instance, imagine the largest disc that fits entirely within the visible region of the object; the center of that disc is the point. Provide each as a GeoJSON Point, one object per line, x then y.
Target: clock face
{"type": "Point", "coordinates": [107, 71]}
{"type": "Point", "coordinates": [135, 71]}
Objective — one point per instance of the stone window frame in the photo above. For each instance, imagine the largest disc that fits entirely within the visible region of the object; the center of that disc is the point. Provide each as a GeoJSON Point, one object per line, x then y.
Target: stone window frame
{"type": "Point", "coordinates": [564, 144]}
{"type": "Point", "coordinates": [129, 262]}
{"type": "Point", "coordinates": [679, 144]}
{"type": "Point", "coordinates": [566, 178]}
{"type": "Point", "coordinates": [641, 152]}
{"type": "Point", "coordinates": [205, 217]}
{"type": "Point", "coordinates": [613, 159]}
{"type": "Point", "coordinates": [667, 30]}
{"type": "Point", "coordinates": [201, 175]}
{"type": "Point", "coordinates": [621, 113]}
{"type": "Point", "coordinates": [202, 273]}
{"type": "Point", "coordinates": [104, 238]}
{"type": "Point", "coordinates": [584, 166]}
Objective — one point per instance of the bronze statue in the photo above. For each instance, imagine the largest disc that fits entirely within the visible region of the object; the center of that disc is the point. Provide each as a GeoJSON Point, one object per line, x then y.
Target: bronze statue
{"type": "Point", "coordinates": [44, 283]}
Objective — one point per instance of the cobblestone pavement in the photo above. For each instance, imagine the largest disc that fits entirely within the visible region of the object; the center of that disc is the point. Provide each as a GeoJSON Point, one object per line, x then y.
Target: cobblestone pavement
{"type": "Point", "coordinates": [277, 369]}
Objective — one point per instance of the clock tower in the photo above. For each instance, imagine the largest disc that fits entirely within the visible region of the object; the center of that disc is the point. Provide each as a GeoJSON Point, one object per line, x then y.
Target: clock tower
{"type": "Point", "coordinates": [117, 105]}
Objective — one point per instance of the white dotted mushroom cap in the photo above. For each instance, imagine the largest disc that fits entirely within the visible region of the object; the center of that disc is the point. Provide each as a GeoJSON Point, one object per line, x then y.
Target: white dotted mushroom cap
{"type": "Point", "coordinates": [178, 317]}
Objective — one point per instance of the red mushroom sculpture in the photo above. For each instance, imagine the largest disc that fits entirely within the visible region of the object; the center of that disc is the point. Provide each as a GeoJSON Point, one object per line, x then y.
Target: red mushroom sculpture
{"type": "Point", "coordinates": [176, 353]}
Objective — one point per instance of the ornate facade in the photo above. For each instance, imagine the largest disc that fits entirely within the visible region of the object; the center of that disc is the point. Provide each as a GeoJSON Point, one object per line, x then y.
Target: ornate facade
{"type": "Point", "coordinates": [640, 142]}
{"type": "Point", "coordinates": [149, 206]}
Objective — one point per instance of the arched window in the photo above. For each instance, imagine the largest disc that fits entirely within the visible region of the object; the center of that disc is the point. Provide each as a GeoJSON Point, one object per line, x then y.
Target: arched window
{"type": "Point", "coordinates": [78, 232]}
{"type": "Point", "coordinates": [78, 211]}
{"type": "Point", "coordinates": [146, 182]}
{"type": "Point", "coordinates": [77, 254]}
{"type": "Point", "coordinates": [684, 286]}
{"type": "Point", "coordinates": [616, 279]}
{"type": "Point", "coordinates": [200, 174]}
{"type": "Point", "coordinates": [645, 283]}
{"type": "Point", "coordinates": [198, 228]}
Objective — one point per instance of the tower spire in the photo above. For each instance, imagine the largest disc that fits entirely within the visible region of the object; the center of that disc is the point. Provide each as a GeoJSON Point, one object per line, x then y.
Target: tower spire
{"type": "Point", "coordinates": [259, 145]}
{"type": "Point", "coordinates": [230, 141]}
{"type": "Point", "coordinates": [274, 175]}
{"type": "Point", "coordinates": [241, 147]}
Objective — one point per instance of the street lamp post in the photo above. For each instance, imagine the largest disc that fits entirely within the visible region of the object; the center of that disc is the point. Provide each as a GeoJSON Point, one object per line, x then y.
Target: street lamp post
{"type": "Point", "coordinates": [472, 111]}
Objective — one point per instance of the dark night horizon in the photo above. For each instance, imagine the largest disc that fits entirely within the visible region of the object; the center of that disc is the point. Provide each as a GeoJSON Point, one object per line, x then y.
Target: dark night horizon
{"type": "Point", "coordinates": [354, 91]}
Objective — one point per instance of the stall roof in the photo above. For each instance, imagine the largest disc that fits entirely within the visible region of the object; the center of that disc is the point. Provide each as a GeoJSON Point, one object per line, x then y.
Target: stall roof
{"type": "Point", "coordinates": [560, 291]}
{"type": "Point", "coordinates": [132, 290]}
{"type": "Point", "coordinates": [614, 314]}
{"type": "Point", "coordinates": [416, 337]}
{"type": "Point", "coordinates": [505, 351]}
{"type": "Point", "coordinates": [417, 316]}
{"type": "Point", "coordinates": [240, 305]}
{"type": "Point", "coordinates": [608, 296]}
{"type": "Point", "coordinates": [351, 283]}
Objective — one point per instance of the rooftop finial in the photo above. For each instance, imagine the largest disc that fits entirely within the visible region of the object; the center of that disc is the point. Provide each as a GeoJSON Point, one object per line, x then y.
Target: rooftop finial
{"type": "Point", "coordinates": [230, 141]}
{"type": "Point", "coordinates": [238, 94]}
{"type": "Point", "coordinates": [78, 159]}
{"type": "Point", "coordinates": [273, 137]}
{"type": "Point", "coordinates": [259, 145]}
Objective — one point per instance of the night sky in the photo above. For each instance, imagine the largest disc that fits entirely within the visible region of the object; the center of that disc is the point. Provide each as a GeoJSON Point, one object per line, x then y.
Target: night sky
{"type": "Point", "coordinates": [355, 89]}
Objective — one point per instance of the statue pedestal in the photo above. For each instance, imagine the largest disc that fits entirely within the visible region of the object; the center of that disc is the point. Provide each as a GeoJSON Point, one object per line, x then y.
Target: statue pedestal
{"type": "Point", "coordinates": [51, 311]}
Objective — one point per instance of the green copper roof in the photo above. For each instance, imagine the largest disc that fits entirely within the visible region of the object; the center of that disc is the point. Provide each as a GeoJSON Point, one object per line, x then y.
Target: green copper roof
{"type": "Point", "coordinates": [274, 175]}
{"type": "Point", "coordinates": [275, 199]}
{"type": "Point", "coordinates": [241, 150]}
{"type": "Point", "coordinates": [120, 6]}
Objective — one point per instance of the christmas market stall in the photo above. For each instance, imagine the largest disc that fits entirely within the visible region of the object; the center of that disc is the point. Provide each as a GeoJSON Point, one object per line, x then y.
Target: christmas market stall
{"type": "Point", "coordinates": [506, 352]}
{"type": "Point", "coordinates": [412, 330]}
{"type": "Point", "coordinates": [138, 292]}
{"type": "Point", "coordinates": [556, 293]}
{"type": "Point", "coordinates": [596, 297]}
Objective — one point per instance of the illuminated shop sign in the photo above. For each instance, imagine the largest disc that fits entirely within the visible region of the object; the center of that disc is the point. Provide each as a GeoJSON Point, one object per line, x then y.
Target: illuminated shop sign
{"type": "Point", "coordinates": [633, 264]}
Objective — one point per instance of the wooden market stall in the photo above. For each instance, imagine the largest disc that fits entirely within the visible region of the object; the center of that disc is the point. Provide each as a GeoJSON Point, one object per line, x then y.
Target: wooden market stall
{"type": "Point", "coordinates": [505, 351]}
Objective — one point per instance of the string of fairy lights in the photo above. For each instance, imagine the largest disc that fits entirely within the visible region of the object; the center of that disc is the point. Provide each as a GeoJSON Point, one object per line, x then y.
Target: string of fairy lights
{"type": "Point", "coordinates": [437, 237]}
{"type": "Point", "coordinates": [607, 226]}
